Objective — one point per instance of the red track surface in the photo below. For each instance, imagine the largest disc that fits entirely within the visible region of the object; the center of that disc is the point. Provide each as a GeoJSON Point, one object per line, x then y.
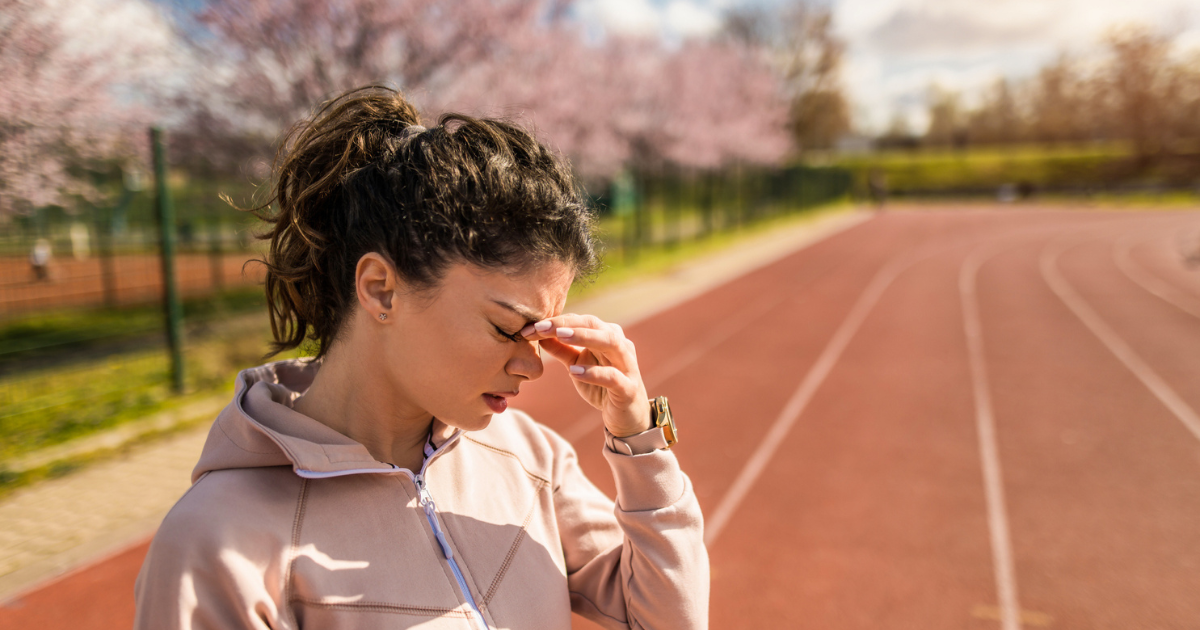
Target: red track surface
{"type": "Point", "coordinates": [138, 279]}
{"type": "Point", "coordinates": [872, 511]}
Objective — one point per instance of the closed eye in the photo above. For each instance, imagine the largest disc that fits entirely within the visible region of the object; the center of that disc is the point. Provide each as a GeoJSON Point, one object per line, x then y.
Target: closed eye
{"type": "Point", "coordinates": [515, 337]}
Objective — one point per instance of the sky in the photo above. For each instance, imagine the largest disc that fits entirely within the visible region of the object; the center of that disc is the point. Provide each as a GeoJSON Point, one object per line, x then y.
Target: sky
{"type": "Point", "coordinates": [897, 49]}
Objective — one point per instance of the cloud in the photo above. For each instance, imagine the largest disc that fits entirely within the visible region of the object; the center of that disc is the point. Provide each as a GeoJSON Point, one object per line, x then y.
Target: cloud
{"type": "Point", "coordinates": [898, 48]}
{"type": "Point", "coordinates": [689, 19]}
{"type": "Point", "coordinates": [921, 30]}
{"type": "Point", "coordinates": [673, 19]}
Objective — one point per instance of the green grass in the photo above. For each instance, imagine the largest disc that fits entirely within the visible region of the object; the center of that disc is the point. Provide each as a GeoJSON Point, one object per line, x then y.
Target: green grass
{"type": "Point", "coordinates": [947, 169]}
{"type": "Point", "coordinates": [70, 330]}
{"type": "Point", "coordinates": [45, 407]}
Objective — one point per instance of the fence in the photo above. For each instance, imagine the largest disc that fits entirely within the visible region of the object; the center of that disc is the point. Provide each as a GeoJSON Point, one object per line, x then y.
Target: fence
{"type": "Point", "coordinates": [82, 343]}
{"type": "Point", "coordinates": [665, 209]}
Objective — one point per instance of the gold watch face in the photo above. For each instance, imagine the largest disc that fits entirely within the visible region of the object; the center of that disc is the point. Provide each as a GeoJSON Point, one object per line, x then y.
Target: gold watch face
{"type": "Point", "coordinates": [662, 418]}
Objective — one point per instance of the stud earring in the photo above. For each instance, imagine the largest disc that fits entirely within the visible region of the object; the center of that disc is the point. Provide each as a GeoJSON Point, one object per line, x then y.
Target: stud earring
{"type": "Point", "coordinates": [382, 316]}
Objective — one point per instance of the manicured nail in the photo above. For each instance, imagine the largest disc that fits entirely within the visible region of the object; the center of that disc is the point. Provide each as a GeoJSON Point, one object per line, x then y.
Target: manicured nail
{"type": "Point", "coordinates": [526, 331]}
{"type": "Point", "coordinates": [543, 325]}
{"type": "Point", "coordinates": [563, 333]}
{"type": "Point", "coordinates": [575, 369]}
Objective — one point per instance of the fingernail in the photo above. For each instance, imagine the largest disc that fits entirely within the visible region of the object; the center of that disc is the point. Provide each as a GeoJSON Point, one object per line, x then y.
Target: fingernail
{"type": "Point", "coordinates": [526, 331]}
{"type": "Point", "coordinates": [575, 369]}
{"type": "Point", "coordinates": [563, 333]}
{"type": "Point", "coordinates": [543, 325]}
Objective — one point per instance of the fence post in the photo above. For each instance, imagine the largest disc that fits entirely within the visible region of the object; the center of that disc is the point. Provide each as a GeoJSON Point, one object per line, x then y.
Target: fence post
{"type": "Point", "coordinates": [102, 219]}
{"type": "Point", "coordinates": [216, 255]}
{"type": "Point", "coordinates": [172, 309]}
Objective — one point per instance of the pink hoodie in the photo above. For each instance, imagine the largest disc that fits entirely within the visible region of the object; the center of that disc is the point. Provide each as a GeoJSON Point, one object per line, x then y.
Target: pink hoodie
{"type": "Point", "coordinates": [289, 524]}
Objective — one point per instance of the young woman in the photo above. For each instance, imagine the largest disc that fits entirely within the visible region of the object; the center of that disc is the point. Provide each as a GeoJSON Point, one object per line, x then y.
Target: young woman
{"type": "Point", "coordinates": [386, 483]}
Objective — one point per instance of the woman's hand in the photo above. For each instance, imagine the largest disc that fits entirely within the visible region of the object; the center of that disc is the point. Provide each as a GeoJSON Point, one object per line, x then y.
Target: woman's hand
{"type": "Point", "coordinates": [603, 364]}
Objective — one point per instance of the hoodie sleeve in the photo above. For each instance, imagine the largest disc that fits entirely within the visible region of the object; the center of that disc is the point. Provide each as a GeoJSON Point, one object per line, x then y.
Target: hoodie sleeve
{"type": "Point", "coordinates": [640, 563]}
{"type": "Point", "coordinates": [200, 574]}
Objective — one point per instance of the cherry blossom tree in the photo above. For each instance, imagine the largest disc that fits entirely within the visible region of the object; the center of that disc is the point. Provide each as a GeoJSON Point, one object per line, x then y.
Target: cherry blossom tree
{"type": "Point", "coordinates": [70, 92]}
{"type": "Point", "coordinates": [605, 104]}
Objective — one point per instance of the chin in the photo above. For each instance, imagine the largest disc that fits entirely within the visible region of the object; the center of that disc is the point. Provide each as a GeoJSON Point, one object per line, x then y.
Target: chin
{"type": "Point", "coordinates": [477, 423]}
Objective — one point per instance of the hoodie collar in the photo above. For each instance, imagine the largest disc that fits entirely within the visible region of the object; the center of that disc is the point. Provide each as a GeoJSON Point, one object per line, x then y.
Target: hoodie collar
{"type": "Point", "coordinates": [260, 428]}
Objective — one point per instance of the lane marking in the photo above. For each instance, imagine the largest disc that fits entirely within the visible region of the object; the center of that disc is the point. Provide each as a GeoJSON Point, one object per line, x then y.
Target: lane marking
{"type": "Point", "coordinates": [1148, 281]}
{"type": "Point", "coordinates": [1157, 386]}
{"type": "Point", "coordinates": [1003, 565]}
{"type": "Point", "coordinates": [796, 404]}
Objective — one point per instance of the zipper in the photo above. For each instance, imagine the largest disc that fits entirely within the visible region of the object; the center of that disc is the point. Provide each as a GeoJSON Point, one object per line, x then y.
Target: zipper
{"type": "Point", "coordinates": [431, 515]}
{"type": "Point", "coordinates": [430, 508]}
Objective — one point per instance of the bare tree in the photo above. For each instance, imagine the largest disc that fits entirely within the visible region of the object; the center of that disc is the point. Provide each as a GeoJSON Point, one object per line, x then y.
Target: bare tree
{"type": "Point", "coordinates": [1139, 89]}
{"type": "Point", "coordinates": [1062, 104]}
{"type": "Point", "coordinates": [1000, 118]}
{"type": "Point", "coordinates": [946, 118]}
{"type": "Point", "coordinates": [808, 56]}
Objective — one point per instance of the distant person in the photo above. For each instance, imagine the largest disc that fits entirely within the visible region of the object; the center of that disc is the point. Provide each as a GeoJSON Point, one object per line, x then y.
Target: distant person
{"type": "Point", "coordinates": [39, 260]}
{"type": "Point", "coordinates": [386, 483]}
{"type": "Point", "coordinates": [877, 187]}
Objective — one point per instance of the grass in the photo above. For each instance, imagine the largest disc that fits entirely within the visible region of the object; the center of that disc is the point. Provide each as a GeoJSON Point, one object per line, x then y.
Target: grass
{"type": "Point", "coordinates": [1089, 165]}
{"type": "Point", "coordinates": [72, 330]}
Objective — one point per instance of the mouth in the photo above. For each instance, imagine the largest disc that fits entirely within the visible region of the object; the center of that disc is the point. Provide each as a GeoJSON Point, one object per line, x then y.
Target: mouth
{"type": "Point", "coordinates": [498, 401]}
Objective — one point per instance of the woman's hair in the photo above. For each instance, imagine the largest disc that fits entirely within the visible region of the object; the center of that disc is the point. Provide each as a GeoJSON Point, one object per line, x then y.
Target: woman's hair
{"type": "Point", "coordinates": [362, 176]}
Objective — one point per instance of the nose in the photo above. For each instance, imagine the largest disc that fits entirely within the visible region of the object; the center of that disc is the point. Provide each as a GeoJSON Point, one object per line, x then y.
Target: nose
{"type": "Point", "coordinates": [526, 361]}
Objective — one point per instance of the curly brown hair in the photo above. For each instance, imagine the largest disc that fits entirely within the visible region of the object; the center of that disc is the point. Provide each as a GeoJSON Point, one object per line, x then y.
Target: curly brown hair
{"type": "Point", "coordinates": [362, 176]}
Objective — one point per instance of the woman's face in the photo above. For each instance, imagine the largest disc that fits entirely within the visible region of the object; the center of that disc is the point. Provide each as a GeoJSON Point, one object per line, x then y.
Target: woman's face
{"type": "Point", "coordinates": [456, 354]}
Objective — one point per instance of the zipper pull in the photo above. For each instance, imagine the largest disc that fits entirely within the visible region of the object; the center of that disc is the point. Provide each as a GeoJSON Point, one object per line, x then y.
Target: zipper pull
{"type": "Point", "coordinates": [431, 514]}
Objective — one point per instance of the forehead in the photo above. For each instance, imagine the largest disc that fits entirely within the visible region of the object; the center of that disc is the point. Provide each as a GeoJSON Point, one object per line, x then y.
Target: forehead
{"type": "Point", "coordinates": [534, 293]}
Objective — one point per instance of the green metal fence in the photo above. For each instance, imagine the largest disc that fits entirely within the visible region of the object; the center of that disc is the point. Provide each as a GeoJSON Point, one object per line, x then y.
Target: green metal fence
{"type": "Point", "coordinates": [89, 337]}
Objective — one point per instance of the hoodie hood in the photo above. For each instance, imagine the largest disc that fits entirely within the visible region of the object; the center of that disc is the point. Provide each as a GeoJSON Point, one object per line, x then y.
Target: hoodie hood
{"type": "Point", "coordinates": [260, 428]}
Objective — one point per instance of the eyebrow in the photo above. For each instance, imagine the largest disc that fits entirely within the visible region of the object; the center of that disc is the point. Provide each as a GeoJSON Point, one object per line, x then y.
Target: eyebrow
{"type": "Point", "coordinates": [520, 310]}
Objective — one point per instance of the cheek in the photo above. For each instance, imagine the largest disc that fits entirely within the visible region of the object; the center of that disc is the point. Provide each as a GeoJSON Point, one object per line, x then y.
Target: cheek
{"type": "Point", "coordinates": [468, 360]}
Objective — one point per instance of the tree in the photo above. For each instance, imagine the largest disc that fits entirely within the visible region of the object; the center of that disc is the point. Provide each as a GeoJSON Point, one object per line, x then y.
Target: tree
{"type": "Point", "coordinates": [1000, 118]}
{"type": "Point", "coordinates": [73, 93]}
{"type": "Point", "coordinates": [946, 124]}
{"type": "Point", "coordinates": [1137, 80]}
{"type": "Point", "coordinates": [279, 58]}
{"type": "Point", "coordinates": [605, 104]}
{"type": "Point", "coordinates": [1061, 105]}
{"type": "Point", "coordinates": [808, 56]}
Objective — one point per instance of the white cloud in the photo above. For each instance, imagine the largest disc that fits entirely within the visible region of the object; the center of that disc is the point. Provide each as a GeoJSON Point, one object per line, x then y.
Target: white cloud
{"type": "Point", "coordinates": [671, 19]}
{"type": "Point", "coordinates": [689, 19]}
{"type": "Point", "coordinates": [624, 17]}
{"type": "Point", "coordinates": [898, 48]}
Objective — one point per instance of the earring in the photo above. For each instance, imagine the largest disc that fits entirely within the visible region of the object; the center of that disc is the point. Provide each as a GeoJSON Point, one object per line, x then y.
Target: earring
{"type": "Point", "coordinates": [382, 316]}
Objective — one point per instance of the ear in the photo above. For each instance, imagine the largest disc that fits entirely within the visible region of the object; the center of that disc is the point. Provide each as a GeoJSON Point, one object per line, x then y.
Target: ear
{"type": "Point", "coordinates": [376, 282]}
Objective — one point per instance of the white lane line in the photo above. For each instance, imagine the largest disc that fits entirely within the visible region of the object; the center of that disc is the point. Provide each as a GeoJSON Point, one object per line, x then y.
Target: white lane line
{"type": "Point", "coordinates": [1145, 279]}
{"type": "Point", "coordinates": [1003, 566]}
{"type": "Point", "coordinates": [800, 399]}
{"type": "Point", "coordinates": [1140, 369]}
{"type": "Point", "coordinates": [731, 326]}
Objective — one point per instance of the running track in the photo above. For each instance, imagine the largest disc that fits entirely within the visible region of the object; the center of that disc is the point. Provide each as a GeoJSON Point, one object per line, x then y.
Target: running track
{"type": "Point", "coordinates": [935, 420]}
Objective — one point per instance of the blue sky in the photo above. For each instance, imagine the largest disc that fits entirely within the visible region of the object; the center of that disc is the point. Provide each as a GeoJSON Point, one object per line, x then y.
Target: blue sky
{"type": "Point", "coordinates": [898, 48]}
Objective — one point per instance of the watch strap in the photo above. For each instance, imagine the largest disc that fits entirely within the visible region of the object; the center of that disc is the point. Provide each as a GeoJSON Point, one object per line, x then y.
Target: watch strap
{"type": "Point", "coordinates": [639, 444]}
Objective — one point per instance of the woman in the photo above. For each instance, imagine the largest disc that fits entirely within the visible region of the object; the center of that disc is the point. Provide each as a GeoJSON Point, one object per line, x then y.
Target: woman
{"type": "Point", "coordinates": [386, 483]}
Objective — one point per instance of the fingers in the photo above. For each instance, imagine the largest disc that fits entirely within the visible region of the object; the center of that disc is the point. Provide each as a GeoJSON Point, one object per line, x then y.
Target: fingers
{"type": "Point", "coordinates": [586, 331]}
{"type": "Point", "coordinates": [561, 351]}
{"type": "Point", "coordinates": [608, 377]}
{"type": "Point", "coordinates": [546, 327]}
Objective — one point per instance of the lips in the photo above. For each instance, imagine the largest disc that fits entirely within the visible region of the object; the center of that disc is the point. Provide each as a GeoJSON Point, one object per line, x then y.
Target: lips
{"type": "Point", "coordinates": [498, 401]}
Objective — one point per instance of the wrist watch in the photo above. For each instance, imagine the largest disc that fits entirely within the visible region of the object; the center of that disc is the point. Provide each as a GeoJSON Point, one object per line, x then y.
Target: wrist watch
{"type": "Point", "coordinates": [661, 435]}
